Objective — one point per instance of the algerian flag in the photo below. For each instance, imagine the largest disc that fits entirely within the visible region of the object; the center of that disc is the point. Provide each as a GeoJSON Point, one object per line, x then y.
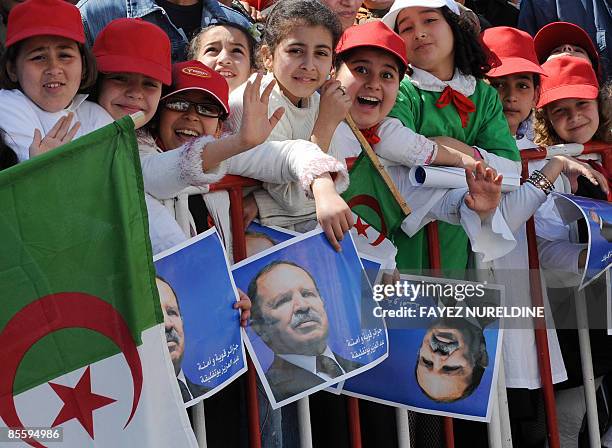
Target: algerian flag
{"type": "Point", "coordinates": [378, 215]}
{"type": "Point", "coordinates": [81, 330]}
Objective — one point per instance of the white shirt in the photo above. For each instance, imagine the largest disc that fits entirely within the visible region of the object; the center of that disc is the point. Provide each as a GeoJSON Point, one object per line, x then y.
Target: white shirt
{"type": "Point", "coordinates": [309, 363]}
{"type": "Point", "coordinates": [20, 116]}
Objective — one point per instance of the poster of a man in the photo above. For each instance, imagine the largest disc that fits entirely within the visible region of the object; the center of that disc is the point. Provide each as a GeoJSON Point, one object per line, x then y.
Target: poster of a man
{"type": "Point", "coordinates": [175, 339]}
{"type": "Point", "coordinates": [451, 360]}
{"type": "Point", "coordinates": [438, 364]}
{"type": "Point", "coordinates": [305, 332]}
{"type": "Point", "coordinates": [598, 216]}
{"type": "Point", "coordinates": [198, 299]}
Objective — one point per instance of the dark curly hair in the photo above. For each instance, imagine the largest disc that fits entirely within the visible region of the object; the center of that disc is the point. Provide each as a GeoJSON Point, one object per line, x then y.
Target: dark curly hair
{"type": "Point", "coordinates": [287, 14]}
{"type": "Point", "coordinates": [8, 158]}
{"type": "Point", "coordinates": [470, 56]}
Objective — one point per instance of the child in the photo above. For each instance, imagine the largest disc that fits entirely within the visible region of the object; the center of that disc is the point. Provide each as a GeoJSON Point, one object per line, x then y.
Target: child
{"type": "Point", "coordinates": [566, 39]}
{"type": "Point", "coordinates": [228, 49]}
{"type": "Point", "coordinates": [297, 52]}
{"type": "Point", "coordinates": [369, 62]}
{"type": "Point", "coordinates": [447, 65]}
{"type": "Point", "coordinates": [44, 66]}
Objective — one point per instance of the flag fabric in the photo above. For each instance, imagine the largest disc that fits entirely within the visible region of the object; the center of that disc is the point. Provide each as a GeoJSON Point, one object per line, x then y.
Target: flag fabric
{"type": "Point", "coordinates": [80, 321]}
{"type": "Point", "coordinates": [379, 215]}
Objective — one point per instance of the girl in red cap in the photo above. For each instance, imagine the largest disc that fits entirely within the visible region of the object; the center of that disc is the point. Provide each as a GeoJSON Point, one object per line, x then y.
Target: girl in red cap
{"type": "Point", "coordinates": [445, 95]}
{"type": "Point", "coordinates": [44, 67]}
{"type": "Point", "coordinates": [370, 62]}
{"type": "Point", "coordinates": [228, 49]}
{"type": "Point", "coordinates": [566, 39]}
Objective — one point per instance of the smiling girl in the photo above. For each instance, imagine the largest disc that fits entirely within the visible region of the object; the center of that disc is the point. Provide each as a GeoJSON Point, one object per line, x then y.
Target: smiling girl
{"type": "Point", "coordinates": [43, 68]}
{"type": "Point", "coordinates": [297, 52]}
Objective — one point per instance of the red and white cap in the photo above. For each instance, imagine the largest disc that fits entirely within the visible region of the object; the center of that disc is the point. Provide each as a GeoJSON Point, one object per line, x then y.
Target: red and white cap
{"type": "Point", "coordinates": [44, 18]}
{"type": "Point", "coordinates": [134, 46]}
{"type": "Point", "coordinates": [390, 18]}
{"type": "Point", "coordinates": [373, 34]}
{"type": "Point", "coordinates": [514, 49]}
{"type": "Point", "coordinates": [193, 75]}
{"type": "Point", "coordinates": [568, 77]}
{"type": "Point", "coordinates": [556, 34]}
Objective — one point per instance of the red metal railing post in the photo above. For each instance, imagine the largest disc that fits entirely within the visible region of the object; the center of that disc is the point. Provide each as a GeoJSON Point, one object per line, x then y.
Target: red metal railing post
{"type": "Point", "coordinates": [435, 264]}
{"type": "Point", "coordinates": [541, 334]}
{"type": "Point", "coordinates": [234, 184]}
{"type": "Point", "coordinates": [352, 406]}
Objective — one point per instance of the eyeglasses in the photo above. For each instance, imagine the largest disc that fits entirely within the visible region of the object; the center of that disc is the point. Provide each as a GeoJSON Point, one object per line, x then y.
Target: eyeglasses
{"type": "Point", "coordinates": [210, 110]}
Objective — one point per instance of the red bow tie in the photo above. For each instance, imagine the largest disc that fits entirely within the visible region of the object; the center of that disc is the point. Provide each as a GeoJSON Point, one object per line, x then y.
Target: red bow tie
{"type": "Point", "coordinates": [462, 103]}
{"type": "Point", "coordinates": [370, 134]}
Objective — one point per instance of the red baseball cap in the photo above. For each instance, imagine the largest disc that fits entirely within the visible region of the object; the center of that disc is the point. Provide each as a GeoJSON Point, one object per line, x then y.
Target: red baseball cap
{"type": "Point", "coordinates": [44, 18]}
{"type": "Point", "coordinates": [555, 34]}
{"type": "Point", "coordinates": [514, 49]}
{"type": "Point", "coordinates": [568, 77]}
{"type": "Point", "coordinates": [373, 34]}
{"type": "Point", "coordinates": [193, 75]}
{"type": "Point", "coordinates": [134, 46]}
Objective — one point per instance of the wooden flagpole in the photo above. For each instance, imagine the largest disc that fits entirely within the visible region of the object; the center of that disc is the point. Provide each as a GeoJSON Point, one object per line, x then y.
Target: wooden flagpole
{"type": "Point", "coordinates": [379, 167]}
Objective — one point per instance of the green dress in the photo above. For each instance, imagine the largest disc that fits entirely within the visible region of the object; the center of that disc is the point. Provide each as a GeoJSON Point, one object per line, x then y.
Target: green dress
{"type": "Point", "coordinates": [487, 128]}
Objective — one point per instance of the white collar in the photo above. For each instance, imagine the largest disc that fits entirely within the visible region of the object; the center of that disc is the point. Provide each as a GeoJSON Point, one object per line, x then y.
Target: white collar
{"type": "Point", "coordinates": [78, 99]}
{"type": "Point", "coordinates": [310, 362]}
{"type": "Point", "coordinates": [464, 84]}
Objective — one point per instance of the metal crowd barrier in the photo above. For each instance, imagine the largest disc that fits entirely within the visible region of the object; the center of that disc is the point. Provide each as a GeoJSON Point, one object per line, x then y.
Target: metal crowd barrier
{"type": "Point", "coordinates": [234, 186]}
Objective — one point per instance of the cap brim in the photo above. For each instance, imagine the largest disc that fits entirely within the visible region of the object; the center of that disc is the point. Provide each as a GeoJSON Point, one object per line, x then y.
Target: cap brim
{"type": "Point", "coordinates": [44, 31]}
{"type": "Point", "coordinates": [580, 91]}
{"type": "Point", "coordinates": [390, 18]}
{"type": "Point", "coordinates": [115, 63]}
{"type": "Point", "coordinates": [511, 66]}
{"type": "Point", "coordinates": [547, 39]}
{"type": "Point", "coordinates": [400, 58]}
{"type": "Point", "coordinates": [226, 108]}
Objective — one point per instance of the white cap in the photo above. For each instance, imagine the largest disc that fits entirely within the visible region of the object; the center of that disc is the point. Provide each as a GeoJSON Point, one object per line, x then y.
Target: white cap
{"type": "Point", "coordinates": [390, 18]}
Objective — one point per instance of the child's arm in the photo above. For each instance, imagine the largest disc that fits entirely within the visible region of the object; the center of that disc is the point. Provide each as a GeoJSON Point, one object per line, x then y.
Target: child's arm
{"type": "Point", "coordinates": [334, 106]}
{"type": "Point", "coordinates": [255, 126]}
{"type": "Point", "coordinates": [333, 214]}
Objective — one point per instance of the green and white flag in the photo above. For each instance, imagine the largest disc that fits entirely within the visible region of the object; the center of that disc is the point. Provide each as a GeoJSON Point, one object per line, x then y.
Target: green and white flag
{"type": "Point", "coordinates": [81, 329]}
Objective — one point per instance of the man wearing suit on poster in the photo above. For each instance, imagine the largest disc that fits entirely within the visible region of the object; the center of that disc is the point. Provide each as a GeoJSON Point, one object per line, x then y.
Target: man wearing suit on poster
{"type": "Point", "coordinates": [175, 338]}
{"type": "Point", "coordinates": [288, 314]}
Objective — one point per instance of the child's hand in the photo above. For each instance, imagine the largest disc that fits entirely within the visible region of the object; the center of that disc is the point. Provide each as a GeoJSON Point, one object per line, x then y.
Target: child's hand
{"type": "Point", "coordinates": [58, 135]}
{"type": "Point", "coordinates": [333, 214]}
{"type": "Point", "coordinates": [244, 305]}
{"type": "Point", "coordinates": [256, 126]}
{"type": "Point", "coordinates": [484, 190]}
{"type": "Point", "coordinates": [335, 103]}
{"type": "Point", "coordinates": [249, 210]}
{"type": "Point", "coordinates": [574, 168]}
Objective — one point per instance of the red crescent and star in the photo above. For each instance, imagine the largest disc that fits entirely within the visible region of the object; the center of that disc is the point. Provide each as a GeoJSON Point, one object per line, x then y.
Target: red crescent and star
{"type": "Point", "coordinates": [56, 312]}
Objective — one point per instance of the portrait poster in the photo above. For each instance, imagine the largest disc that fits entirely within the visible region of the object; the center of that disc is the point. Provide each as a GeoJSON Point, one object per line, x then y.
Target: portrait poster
{"type": "Point", "coordinates": [598, 216]}
{"type": "Point", "coordinates": [459, 382]}
{"type": "Point", "coordinates": [307, 309]}
{"type": "Point", "coordinates": [198, 274]}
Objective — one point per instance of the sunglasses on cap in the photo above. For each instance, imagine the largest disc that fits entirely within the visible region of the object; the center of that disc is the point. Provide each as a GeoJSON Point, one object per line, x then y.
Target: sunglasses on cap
{"type": "Point", "coordinates": [210, 110]}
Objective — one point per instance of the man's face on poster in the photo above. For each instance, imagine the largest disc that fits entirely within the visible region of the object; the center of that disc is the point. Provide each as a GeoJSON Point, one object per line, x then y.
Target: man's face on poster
{"type": "Point", "coordinates": [173, 322]}
{"type": "Point", "coordinates": [451, 359]}
{"type": "Point", "coordinates": [291, 317]}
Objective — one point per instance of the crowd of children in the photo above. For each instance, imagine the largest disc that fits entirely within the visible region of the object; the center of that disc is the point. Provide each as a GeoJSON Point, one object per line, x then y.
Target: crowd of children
{"type": "Point", "coordinates": [420, 84]}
